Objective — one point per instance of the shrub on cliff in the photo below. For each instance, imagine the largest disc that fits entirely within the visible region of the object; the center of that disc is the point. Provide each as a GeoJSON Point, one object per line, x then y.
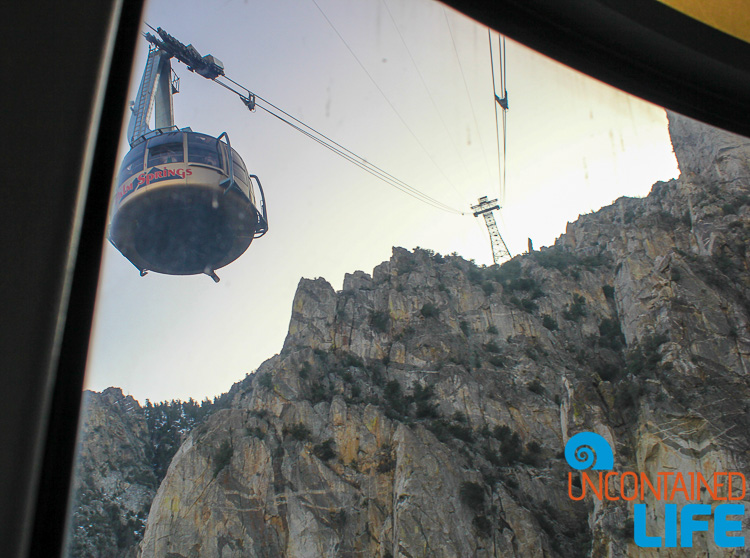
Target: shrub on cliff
{"type": "Point", "coordinates": [223, 457]}
{"type": "Point", "coordinates": [549, 322]}
{"type": "Point", "coordinates": [324, 451]}
{"type": "Point", "coordinates": [472, 494]}
{"type": "Point", "coordinates": [379, 321]}
{"type": "Point", "coordinates": [610, 334]}
{"type": "Point", "coordinates": [265, 380]}
{"type": "Point", "coordinates": [576, 310]}
{"type": "Point", "coordinates": [429, 310]}
{"type": "Point", "coordinates": [555, 258]}
{"type": "Point", "coordinates": [298, 432]}
{"type": "Point", "coordinates": [482, 525]}
{"type": "Point", "coordinates": [492, 347]}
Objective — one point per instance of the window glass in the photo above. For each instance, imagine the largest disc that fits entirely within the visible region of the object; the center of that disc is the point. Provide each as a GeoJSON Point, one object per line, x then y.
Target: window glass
{"type": "Point", "coordinates": [165, 149]}
{"type": "Point", "coordinates": [161, 139]}
{"type": "Point", "coordinates": [132, 163]}
{"type": "Point", "coordinates": [188, 337]}
{"type": "Point", "coordinates": [240, 173]}
{"type": "Point", "coordinates": [237, 161]}
{"type": "Point", "coordinates": [203, 149]}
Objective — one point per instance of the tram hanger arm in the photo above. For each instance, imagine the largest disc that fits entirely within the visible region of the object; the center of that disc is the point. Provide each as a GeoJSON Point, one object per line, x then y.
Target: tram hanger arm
{"type": "Point", "coordinates": [207, 66]}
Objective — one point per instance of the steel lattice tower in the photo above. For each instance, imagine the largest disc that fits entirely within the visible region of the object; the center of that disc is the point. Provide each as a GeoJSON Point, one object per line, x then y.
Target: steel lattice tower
{"type": "Point", "coordinates": [485, 208]}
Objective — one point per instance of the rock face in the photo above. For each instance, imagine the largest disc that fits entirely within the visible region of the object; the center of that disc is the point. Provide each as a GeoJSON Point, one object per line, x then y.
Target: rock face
{"type": "Point", "coordinates": [114, 484]}
{"type": "Point", "coordinates": [124, 453]}
{"type": "Point", "coordinates": [423, 410]}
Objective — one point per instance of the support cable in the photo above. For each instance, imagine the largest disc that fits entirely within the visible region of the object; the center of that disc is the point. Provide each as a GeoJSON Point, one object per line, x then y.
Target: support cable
{"type": "Point", "coordinates": [177, 49]}
{"type": "Point", "coordinates": [340, 150]}
{"type": "Point", "coordinates": [398, 114]}
{"type": "Point", "coordinates": [468, 94]}
{"type": "Point", "coordinates": [497, 129]}
{"type": "Point", "coordinates": [503, 102]}
{"type": "Point", "coordinates": [505, 159]}
{"type": "Point", "coordinates": [372, 169]}
{"type": "Point", "coordinates": [340, 147]}
{"type": "Point", "coordinates": [364, 164]}
{"type": "Point", "coordinates": [429, 93]}
{"type": "Point", "coordinates": [503, 68]}
{"type": "Point", "coordinates": [485, 206]}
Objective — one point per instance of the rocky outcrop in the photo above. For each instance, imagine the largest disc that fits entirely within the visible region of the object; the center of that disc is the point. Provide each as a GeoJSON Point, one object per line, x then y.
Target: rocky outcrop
{"type": "Point", "coordinates": [423, 410]}
{"type": "Point", "coordinates": [114, 482]}
{"type": "Point", "coordinates": [124, 452]}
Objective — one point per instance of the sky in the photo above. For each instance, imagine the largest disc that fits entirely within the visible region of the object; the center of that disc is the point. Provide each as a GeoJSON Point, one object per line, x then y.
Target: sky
{"type": "Point", "coordinates": [406, 84]}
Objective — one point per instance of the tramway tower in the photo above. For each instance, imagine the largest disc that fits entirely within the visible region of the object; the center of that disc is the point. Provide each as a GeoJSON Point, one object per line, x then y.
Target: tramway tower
{"type": "Point", "coordinates": [485, 207]}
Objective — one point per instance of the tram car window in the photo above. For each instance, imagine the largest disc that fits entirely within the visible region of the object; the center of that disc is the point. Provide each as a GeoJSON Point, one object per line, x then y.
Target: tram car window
{"type": "Point", "coordinates": [166, 148]}
{"type": "Point", "coordinates": [203, 150]}
{"type": "Point", "coordinates": [132, 164]}
{"type": "Point", "coordinates": [240, 172]}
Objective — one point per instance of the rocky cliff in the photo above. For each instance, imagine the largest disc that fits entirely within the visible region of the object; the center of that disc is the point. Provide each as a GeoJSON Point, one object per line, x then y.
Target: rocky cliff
{"type": "Point", "coordinates": [124, 452]}
{"type": "Point", "coordinates": [423, 410]}
{"type": "Point", "coordinates": [114, 482]}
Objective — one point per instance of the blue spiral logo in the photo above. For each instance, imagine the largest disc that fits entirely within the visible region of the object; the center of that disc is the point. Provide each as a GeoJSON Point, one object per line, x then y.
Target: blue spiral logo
{"type": "Point", "coordinates": [588, 450]}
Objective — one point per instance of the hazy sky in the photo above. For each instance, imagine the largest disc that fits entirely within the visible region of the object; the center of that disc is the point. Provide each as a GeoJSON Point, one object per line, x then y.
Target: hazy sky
{"type": "Point", "coordinates": [573, 145]}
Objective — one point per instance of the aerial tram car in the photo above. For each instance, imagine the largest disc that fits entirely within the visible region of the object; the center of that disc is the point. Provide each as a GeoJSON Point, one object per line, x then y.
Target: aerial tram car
{"type": "Point", "coordinates": [184, 202]}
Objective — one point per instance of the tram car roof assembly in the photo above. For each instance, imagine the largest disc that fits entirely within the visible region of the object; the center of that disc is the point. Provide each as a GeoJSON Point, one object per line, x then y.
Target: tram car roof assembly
{"type": "Point", "coordinates": [184, 202]}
